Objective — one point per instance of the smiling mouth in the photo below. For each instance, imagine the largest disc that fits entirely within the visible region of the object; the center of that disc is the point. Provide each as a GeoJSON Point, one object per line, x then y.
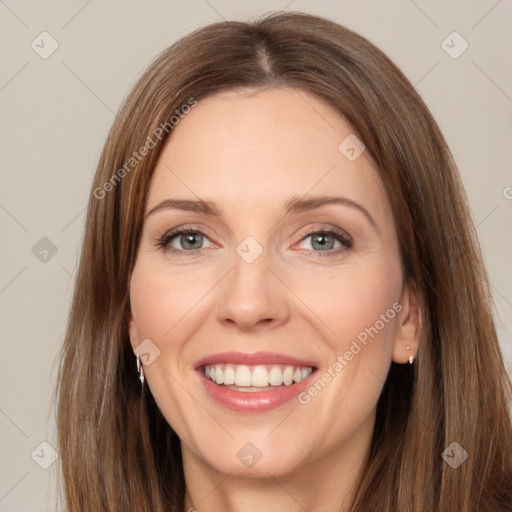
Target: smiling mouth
{"type": "Point", "coordinates": [255, 378]}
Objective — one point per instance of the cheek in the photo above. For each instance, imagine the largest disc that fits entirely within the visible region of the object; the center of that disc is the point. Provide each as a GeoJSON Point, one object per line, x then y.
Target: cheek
{"type": "Point", "coordinates": [160, 299]}
{"type": "Point", "coordinates": [356, 309]}
{"type": "Point", "coordinates": [366, 312]}
{"type": "Point", "coordinates": [360, 311]}
{"type": "Point", "coordinates": [351, 300]}
{"type": "Point", "coordinates": [161, 304]}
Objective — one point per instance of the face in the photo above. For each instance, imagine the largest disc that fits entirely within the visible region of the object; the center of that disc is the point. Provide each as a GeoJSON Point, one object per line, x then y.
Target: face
{"type": "Point", "coordinates": [268, 263]}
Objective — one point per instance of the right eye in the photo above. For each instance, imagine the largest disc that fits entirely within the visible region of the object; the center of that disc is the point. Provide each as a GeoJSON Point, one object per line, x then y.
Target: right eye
{"type": "Point", "coordinates": [183, 241]}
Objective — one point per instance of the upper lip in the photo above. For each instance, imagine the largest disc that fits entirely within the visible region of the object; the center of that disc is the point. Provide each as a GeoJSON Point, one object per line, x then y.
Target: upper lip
{"type": "Point", "coordinates": [255, 358]}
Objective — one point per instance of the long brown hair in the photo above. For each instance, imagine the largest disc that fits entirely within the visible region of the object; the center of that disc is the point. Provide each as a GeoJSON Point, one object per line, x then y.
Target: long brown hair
{"type": "Point", "coordinates": [117, 451]}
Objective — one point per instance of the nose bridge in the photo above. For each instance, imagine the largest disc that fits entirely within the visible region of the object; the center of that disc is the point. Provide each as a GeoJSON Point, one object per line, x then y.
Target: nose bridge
{"type": "Point", "coordinates": [251, 292]}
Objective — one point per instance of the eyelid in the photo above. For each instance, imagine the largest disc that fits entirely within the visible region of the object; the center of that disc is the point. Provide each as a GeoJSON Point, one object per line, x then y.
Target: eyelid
{"type": "Point", "coordinates": [330, 229]}
{"type": "Point", "coordinates": [195, 228]}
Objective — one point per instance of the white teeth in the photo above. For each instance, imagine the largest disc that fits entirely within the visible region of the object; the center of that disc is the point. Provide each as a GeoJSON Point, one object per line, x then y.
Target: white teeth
{"type": "Point", "coordinates": [305, 372]}
{"type": "Point", "coordinates": [261, 376]}
{"type": "Point", "coordinates": [288, 375]}
{"type": "Point", "coordinates": [219, 374]}
{"type": "Point", "coordinates": [275, 377]}
{"type": "Point", "coordinates": [243, 376]}
{"type": "Point", "coordinates": [229, 375]}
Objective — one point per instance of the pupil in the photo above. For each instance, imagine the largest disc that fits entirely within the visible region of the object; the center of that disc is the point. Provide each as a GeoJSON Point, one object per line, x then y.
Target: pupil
{"type": "Point", "coordinates": [321, 240]}
{"type": "Point", "coordinates": [191, 238]}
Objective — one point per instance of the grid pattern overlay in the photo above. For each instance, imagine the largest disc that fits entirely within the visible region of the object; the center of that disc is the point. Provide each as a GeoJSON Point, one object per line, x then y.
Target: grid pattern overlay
{"type": "Point", "coordinates": [66, 68]}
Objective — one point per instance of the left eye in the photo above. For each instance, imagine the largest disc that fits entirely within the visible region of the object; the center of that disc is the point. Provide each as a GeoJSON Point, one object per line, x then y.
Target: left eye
{"type": "Point", "coordinates": [322, 241]}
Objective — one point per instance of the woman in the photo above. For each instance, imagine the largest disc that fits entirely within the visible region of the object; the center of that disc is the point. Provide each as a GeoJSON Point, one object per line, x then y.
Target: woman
{"type": "Point", "coordinates": [281, 302]}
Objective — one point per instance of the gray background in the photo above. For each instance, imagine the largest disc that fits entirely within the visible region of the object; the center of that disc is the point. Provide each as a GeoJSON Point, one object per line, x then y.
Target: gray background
{"type": "Point", "coordinates": [55, 115]}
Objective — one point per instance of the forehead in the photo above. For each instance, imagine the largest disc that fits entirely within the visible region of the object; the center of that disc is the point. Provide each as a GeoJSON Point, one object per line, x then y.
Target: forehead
{"type": "Point", "coordinates": [257, 148]}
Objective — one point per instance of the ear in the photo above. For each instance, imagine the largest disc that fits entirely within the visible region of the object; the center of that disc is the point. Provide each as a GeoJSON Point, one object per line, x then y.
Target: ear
{"type": "Point", "coordinates": [408, 326]}
{"type": "Point", "coordinates": [132, 331]}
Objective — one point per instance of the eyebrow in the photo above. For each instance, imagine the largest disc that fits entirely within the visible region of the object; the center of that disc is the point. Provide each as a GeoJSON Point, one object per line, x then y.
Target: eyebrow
{"type": "Point", "coordinates": [295, 204]}
{"type": "Point", "coordinates": [299, 204]}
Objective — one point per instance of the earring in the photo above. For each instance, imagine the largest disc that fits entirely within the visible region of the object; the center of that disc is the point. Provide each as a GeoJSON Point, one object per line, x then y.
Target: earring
{"type": "Point", "coordinates": [140, 369]}
{"type": "Point", "coordinates": [411, 358]}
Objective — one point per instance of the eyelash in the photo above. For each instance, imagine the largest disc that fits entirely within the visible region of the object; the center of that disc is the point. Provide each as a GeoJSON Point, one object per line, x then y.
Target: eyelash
{"type": "Point", "coordinates": [341, 236]}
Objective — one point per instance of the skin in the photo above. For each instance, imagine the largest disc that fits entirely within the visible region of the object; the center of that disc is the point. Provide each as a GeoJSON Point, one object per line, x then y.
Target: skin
{"type": "Point", "coordinates": [250, 152]}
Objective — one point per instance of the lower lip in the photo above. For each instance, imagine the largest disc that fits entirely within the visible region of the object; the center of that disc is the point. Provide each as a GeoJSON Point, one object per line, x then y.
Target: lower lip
{"type": "Point", "coordinates": [253, 401]}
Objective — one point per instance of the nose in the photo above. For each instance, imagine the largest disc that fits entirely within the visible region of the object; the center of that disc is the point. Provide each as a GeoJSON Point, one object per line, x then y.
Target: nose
{"type": "Point", "coordinates": [252, 297]}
